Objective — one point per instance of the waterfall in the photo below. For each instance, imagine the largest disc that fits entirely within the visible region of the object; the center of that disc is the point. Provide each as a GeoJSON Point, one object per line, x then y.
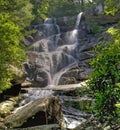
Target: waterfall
{"type": "Point", "coordinates": [50, 57]}
{"type": "Point", "coordinates": [54, 54]}
{"type": "Point", "coordinates": [78, 19]}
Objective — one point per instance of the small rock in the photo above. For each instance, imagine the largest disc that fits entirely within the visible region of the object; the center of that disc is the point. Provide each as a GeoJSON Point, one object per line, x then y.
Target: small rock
{"type": "Point", "coordinates": [107, 128]}
{"type": "Point", "coordinates": [2, 126]}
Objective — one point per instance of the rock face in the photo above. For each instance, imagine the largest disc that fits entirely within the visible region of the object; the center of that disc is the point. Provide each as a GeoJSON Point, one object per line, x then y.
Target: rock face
{"type": "Point", "coordinates": [76, 74]}
{"type": "Point", "coordinates": [38, 112]}
{"type": "Point", "coordinates": [55, 49]}
{"type": "Point", "coordinates": [60, 50]}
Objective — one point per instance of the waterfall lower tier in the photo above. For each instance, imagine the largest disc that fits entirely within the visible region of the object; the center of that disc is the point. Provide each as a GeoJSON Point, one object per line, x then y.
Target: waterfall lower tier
{"type": "Point", "coordinates": [73, 115]}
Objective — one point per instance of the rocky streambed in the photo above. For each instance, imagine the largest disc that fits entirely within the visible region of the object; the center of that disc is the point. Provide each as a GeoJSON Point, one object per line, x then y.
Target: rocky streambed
{"type": "Point", "coordinates": [68, 107]}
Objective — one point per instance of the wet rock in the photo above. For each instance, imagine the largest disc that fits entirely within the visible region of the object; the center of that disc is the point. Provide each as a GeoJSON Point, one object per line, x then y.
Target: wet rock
{"type": "Point", "coordinates": [39, 35]}
{"type": "Point", "coordinates": [85, 55]}
{"type": "Point", "coordinates": [41, 79]}
{"type": "Point", "coordinates": [70, 77]}
{"type": "Point", "coordinates": [28, 40]}
{"type": "Point", "coordinates": [82, 103]}
{"type": "Point", "coordinates": [90, 124]}
{"type": "Point", "coordinates": [2, 126]}
{"type": "Point", "coordinates": [38, 112]}
{"type": "Point", "coordinates": [84, 75]}
{"type": "Point", "coordinates": [75, 75]}
{"type": "Point", "coordinates": [36, 78]}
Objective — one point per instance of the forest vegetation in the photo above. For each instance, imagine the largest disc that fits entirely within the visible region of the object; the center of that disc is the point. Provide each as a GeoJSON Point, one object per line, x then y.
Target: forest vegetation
{"type": "Point", "coordinates": [105, 78]}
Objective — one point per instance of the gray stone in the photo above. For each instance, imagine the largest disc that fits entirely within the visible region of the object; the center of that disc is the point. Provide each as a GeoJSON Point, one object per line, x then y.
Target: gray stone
{"type": "Point", "coordinates": [2, 126]}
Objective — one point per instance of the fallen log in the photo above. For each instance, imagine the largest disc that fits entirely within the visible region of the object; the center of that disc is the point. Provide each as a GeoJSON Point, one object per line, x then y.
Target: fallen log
{"type": "Point", "coordinates": [38, 112]}
{"type": "Point", "coordinates": [67, 87]}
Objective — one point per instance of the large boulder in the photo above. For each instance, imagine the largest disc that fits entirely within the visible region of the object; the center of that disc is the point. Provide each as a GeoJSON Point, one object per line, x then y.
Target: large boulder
{"type": "Point", "coordinates": [76, 74]}
{"type": "Point", "coordinates": [38, 112]}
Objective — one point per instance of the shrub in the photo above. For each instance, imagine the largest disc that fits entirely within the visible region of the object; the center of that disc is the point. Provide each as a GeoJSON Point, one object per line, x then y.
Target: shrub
{"type": "Point", "coordinates": [104, 81]}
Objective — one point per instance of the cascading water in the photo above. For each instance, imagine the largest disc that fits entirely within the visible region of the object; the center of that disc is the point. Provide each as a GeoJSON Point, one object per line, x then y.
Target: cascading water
{"type": "Point", "coordinates": [51, 57]}
{"type": "Point", "coordinates": [55, 53]}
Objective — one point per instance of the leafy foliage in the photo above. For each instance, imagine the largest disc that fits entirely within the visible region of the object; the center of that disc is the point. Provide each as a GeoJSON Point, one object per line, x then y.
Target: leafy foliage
{"type": "Point", "coordinates": [11, 52]}
{"type": "Point", "coordinates": [20, 12]}
{"type": "Point", "coordinates": [55, 8]}
{"type": "Point", "coordinates": [14, 17]}
{"type": "Point", "coordinates": [112, 6]}
{"type": "Point", "coordinates": [103, 80]}
{"type": "Point", "coordinates": [106, 76]}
